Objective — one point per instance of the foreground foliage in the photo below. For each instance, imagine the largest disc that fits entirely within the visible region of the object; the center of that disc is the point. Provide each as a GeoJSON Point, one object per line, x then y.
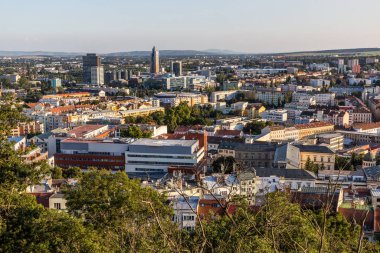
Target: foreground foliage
{"type": "Point", "coordinates": [112, 213]}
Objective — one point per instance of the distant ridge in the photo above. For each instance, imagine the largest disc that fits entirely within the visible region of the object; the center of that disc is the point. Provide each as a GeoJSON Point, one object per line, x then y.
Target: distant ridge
{"type": "Point", "coordinates": [167, 53]}
{"type": "Point", "coordinates": [333, 51]}
{"type": "Point", "coordinates": [177, 53]}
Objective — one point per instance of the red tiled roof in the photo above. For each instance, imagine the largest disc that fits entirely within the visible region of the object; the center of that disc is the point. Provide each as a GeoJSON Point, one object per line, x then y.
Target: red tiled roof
{"type": "Point", "coordinates": [313, 125]}
{"type": "Point", "coordinates": [82, 130]}
{"type": "Point", "coordinates": [366, 126]}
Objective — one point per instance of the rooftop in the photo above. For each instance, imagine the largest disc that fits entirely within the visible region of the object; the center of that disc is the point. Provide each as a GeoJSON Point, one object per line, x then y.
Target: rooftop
{"type": "Point", "coordinates": [313, 125]}
{"type": "Point", "coordinates": [162, 142]}
{"type": "Point", "coordinates": [81, 131]}
{"type": "Point", "coordinates": [285, 173]}
{"type": "Point", "coordinates": [314, 149]}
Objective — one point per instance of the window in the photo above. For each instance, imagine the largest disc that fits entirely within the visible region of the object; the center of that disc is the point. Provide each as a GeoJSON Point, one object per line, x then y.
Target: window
{"type": "Point", "coordinates": [57, 206]}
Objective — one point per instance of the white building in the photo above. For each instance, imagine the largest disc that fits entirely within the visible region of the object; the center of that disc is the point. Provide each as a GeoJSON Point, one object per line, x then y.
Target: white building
{"type": "Point", "coordinates": [277, 116]}
{"type": "Point", "coordinates": [319, 82]}
{"type": "Point", "coordinates": [149, 155]}
{"type": "Point", "coordinates": [97, 75]}
{"type": "Point", "coordinates": [223, 95]}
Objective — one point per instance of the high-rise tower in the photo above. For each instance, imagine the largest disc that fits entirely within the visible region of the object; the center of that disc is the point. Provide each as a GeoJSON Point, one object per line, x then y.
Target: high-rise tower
{"type": "Point", "coordinates": [89, 61]}
{"type": "Point", "coordinates": [176, 68]}
{"type": "Point", "coordinates": [155, 61]}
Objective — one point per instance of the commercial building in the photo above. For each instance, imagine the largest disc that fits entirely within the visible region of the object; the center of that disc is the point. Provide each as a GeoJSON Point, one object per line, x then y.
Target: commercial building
{"type": "Point", "coordinates": [89, 61]}
{"type": "Point", "coordinates": [149, 155]}
{"type": "Point", "coordinates": [176, 68]}
{"type": "Point", "coordinates": [97, 75]}
{"type": "Point", "coordinates": [155, 61]}
{"type": "Point", "coordinates": [85, 153]}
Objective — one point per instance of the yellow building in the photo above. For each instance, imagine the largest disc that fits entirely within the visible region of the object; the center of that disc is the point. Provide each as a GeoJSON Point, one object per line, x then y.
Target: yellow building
{"type": "Point", "coordinates": [320, 155]}
{"type": "Point", "coordinates": [314, 128]}
{"type": "Point", "coordinates": [142, 112]}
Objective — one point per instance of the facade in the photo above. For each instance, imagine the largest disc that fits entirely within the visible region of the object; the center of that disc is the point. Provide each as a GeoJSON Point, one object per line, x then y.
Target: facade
{"type": "Point", "coordinates": [277, 116]}
{"type": "Point", "coordinates": [148, 155]}
{"type": "Point", "coordinates": [176, 68]}
{"type": "Point", "coordinates": [141, 112]}
{"type": "Point", "coordinates": [33, 127]}
{"type": "Point", "coordinates": [216, 96]}
{"type": "Point", "coordinates": [155, 61]}
{"type": "Point", "coordinates": [174, 99]}
{"type": "Point", "coordinates": [86, 153]}
{"type": "Point", "coordinates": [89, 61]}
{"type": "Point", "coordinates": [334, 141]}
{"type": "Point", "coordinates": [270, 96]}
{"type": "Point", "coordinates": [320, 155]}
{"type": "Point", "coordinates": [185, 212]}
{"type": "Point", "coordinates": [354, 65]}
{"type": "Point", "coordinates": [97, 75]}
{"type": "Point", "coordinates": [257, 154]}
{"type": "Point", "coordinates": [57, 201]}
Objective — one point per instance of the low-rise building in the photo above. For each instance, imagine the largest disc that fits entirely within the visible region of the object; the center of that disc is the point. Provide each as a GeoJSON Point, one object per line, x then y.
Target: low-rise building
{"type": "Point", "coordinates": [320, 155]}
{"type": "Point", "coordinates": [149, 155]}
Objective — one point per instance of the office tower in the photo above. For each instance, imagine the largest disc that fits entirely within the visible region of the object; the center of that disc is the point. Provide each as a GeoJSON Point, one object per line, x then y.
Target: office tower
{"type": "Point", "coordinates": [176, 68]}
{"type": "Point", "coordinates": [89, 61]}
{"type": "Point", "coordinates": [155, 61]}
{"type": "Point", "coordinates": [341, 66]}
{"type": "Point", "coordinates": [97, 75]}
{"type": "Point", "coordinates": [353, 64]}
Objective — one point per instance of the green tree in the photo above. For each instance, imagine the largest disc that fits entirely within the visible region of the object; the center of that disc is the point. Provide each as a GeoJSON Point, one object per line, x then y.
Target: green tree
{"type": "Point", "coordinates": [72, 172]}
{"type": "Point", "coordinates": [132, 218]}
{"type": "Point", "coordinates": [311, 166]}
{"type": "Point", "coordinates": [26, 226]}
{"type": "Point", "coordinates": [56, 172]}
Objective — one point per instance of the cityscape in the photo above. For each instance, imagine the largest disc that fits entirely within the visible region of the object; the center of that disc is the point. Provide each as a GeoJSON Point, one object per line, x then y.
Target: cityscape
{"type": "Point", "coordinates": [164, 148]}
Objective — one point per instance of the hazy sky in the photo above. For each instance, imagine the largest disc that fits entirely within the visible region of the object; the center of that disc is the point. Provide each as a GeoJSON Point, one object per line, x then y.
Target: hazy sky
{"type": "Point", "coordinates": [242, 25]}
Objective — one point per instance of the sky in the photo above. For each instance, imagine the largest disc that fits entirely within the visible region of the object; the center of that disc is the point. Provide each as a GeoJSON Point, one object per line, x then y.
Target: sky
{"type": "Point", "coordinates": [252, 26]}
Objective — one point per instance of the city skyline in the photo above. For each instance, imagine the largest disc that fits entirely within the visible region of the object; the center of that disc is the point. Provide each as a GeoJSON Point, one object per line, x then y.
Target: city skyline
{"type": "Point", "coordinates": [244, 26]}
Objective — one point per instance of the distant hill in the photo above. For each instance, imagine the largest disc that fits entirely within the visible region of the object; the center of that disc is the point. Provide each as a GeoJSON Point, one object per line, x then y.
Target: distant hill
{"type": "Point", "coordinates": [167, 53]}
{"type": "Point", "coordinates": [336, 51]}
{"type": "Point", "coordinates": [208, 52]}
{"type": "Point", "coordinates": [39, 53]}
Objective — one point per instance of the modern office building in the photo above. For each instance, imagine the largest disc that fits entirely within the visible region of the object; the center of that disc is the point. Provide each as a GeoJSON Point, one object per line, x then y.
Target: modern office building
{"type": "Point", "coordinates": [176, 68]}
{"type": "Point", "coordinates": [89, 61]}
{"type": "Point", "coordinates": [155, 61]}
{"type": "Point", "coordinates": [86, 153]}
{"type": "Point", "coordinates": [150, 155]}
{"type": "Point", "coordinates": [97, 75]}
